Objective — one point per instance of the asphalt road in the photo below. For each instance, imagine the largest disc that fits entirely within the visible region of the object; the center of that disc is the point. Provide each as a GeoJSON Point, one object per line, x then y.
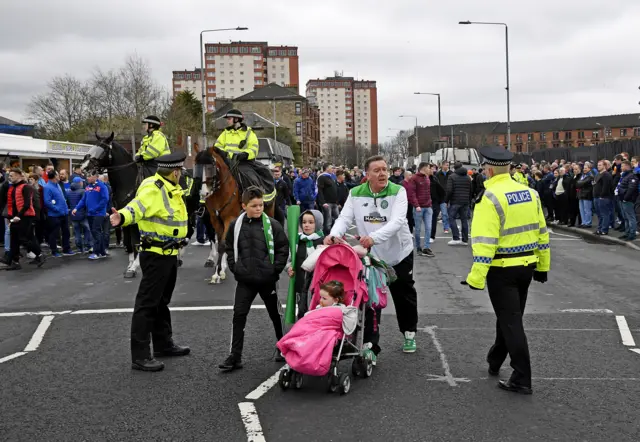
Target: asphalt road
{"type": "Point", "coordinates": [77, 384]}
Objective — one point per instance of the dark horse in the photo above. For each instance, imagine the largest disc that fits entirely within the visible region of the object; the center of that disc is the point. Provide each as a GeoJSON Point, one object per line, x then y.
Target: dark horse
{"type": "Point", "coordinates": [110, 156]}
{"type": "Point", "coordinates": [223, 205]}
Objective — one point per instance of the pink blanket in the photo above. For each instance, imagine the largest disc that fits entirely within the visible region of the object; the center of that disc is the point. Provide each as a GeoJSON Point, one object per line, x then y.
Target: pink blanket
{"type": "Point", "coordinates": [308, 347]}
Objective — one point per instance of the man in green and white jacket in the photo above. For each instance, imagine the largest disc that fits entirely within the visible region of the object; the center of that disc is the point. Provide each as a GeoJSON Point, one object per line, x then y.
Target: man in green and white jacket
{"type": "Point", "coordinates": [379, 210]}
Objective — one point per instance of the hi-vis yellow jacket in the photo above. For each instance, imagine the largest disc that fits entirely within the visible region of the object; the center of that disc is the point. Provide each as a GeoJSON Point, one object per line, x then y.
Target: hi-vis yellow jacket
{"type": "Point", "coordinates": [230, 139]}
{"type": "Point", "coordinates": [519, 177]}
{"type": "Point", "coordinates": [153, 146]}
{"type": "Point", "coordinates": [159, 210]}
{"type": "Point", "coordinates": [508, 229]}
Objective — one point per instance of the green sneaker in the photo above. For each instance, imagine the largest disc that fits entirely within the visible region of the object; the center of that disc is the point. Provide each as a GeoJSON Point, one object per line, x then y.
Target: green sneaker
{"type": "Point", "coordinates": [409, 345]}
{"type": "Point", "coordinates": [369, 354]}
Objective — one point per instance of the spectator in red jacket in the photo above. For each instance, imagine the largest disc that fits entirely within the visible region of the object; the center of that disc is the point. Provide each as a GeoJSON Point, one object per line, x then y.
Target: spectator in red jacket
{"type": "Point", "coordinates": [419, 195]}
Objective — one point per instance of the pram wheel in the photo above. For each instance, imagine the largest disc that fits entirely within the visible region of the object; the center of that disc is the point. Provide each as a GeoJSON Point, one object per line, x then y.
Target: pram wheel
{"type": "Point", "coordinates": [285, 379]}
{"type": "Point", "coordinates": [368, 368]}
{"type": "Point", "coordinates": [345, 383]}
{"type": "Point", "coordinates": [332, 384]}
{"type": "Point", "coordinates": [356, 366]}
{"type": "Point", "coordinates": [296, 380]}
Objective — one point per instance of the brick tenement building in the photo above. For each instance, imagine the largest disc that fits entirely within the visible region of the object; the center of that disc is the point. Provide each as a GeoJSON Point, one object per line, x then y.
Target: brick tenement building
{"type": "Point", "coordinates": [527, 136]}
{"type": "Point", "coordinates": [289, 109]}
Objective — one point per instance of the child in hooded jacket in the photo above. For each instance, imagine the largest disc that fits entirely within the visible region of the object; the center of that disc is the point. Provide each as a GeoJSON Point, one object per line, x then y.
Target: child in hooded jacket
{"type": "Point", "coordinates": [310, 237]}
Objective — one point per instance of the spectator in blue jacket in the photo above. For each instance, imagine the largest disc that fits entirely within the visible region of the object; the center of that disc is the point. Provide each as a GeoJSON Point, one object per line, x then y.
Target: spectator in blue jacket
{"type": "Point", "coordinates": [305, 191]}
{"type": "Point", "coordinates": [95, 200]}
{"type": "Point", "coordinates": [79, 217]}
{"type": "Point", "coordinates": [57, 215]}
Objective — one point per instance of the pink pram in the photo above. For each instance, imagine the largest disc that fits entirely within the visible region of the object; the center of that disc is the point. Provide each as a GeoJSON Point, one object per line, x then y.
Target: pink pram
{"type": "Point", "coordinates": [316, 343]}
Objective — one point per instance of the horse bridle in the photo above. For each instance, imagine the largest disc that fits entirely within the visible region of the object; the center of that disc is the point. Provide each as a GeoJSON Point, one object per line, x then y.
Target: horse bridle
{"type": "Point", "coordinates": [217, 184]}
{"type": "Point", "coordinates": [108, 147]}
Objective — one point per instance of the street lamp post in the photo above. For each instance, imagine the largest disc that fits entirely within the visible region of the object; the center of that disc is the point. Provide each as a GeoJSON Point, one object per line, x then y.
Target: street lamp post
{"type": "Point", "coordinates": [506, 41]}
{"type": "Point", "coordinates": [416, 131]}
{"type": "Point", "coordinates": [439, 115]}
{"type": "Point", "coordinates": [466, 137]}
{"type": "Point", "coordinates": [204, 91]}
{"type": "Point", "coordinates": [604, 131]}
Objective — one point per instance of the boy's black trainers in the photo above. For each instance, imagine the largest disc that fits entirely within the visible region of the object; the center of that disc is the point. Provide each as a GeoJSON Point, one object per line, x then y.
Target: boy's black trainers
{"type": "Point", "coordinates": [232, 362]}
{"type": "Point", "coordinates": [428, 252]}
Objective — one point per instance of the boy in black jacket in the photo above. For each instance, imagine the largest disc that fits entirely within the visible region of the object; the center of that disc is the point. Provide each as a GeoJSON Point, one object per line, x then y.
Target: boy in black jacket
{"type": "Point", "coordinates": [257, 252]}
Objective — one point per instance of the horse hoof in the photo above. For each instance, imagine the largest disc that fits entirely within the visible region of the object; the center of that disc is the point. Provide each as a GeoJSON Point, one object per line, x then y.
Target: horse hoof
{"type": "Point", "coordinates": [223, 276]}
{"type": "Point", "coordinates": [208, 263]}
{"type": "Point", "coordinates": [130, 274]}
{"type": "Point", "coordinates": [215, 280]}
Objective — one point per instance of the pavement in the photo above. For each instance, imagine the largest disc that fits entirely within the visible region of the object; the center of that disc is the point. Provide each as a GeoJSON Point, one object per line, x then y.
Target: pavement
{"type": "Point", "coordinates": [589, 235]}
{"type": "Point", "coordinates": [65, 370]}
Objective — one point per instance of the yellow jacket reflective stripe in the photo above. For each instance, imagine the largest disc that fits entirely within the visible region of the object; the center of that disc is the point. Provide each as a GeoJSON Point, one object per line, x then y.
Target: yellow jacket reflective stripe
{"type": "Point", "coordinates": [519, 177]}
{"type": "Point", "coordinates": [508, 220]}
{"type": "Point", "coordinates": [153, 146]}
{"type": "Point", "coordinates": [229, 141]}
{"type": "Point", "coordinates": [159, 210]}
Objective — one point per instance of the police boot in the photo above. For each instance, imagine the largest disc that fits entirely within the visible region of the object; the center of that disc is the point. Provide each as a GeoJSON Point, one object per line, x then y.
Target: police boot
{"type": "Point", "coordinates": [147, 365]}
{"type": "Point", "coordinates": [233, 362]}
{"type": "Point", "coordinates": [173, 350]}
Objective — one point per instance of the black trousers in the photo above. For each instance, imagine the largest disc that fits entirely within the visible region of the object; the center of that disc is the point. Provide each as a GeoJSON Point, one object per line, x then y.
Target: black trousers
{"type": "Point", "coordinates": [405, 299]}
{"type": "Point", "coordinates": [245, 294]}
{"type": "Point", "coordinates": [22, 234]}
{"type": "Point", "coordinates": [151, 316]}
{"type": "Point", "coordinates": [573, 210]}
{"type": "Point", "coordinates": [508, 289]}
{"type": "Point", "coordinates": [562, 207]}
{"type": "Point", "coordinates": [434, 219]}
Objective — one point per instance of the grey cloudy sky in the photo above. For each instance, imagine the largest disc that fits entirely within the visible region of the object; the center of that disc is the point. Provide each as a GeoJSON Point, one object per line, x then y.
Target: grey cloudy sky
{"type": "Point", "coordinates": [568, 57]}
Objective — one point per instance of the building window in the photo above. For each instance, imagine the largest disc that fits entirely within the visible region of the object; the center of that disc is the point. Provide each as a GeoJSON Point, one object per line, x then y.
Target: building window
{"type": "Point", "coordinates": [595, 134]}
{"type": "Point", "coordinates": [211, 74]}
{"type": "Point", "coordinates": [282, 52]}
{"type": "Point", "coordinates": [543, 136]}
{"type": "Point", "coordinates": [211, 90]}
{"type": "Point", "coordinates": [210, 99]}
{"type": "Point", "coordinates": [282, 75]}
{"type": "Point", "coordinates": [298, 108]}
{"type": "Point", "coordinates": [241, 89]}
{"type": "Point", "coordinates": [519, 147]}
{"type": "Point", "coordinates": [529, 137]}
{"type": "Point", "coordinates": [580, 144]}
{"type": "Point", "coordinates": [212, 49]}
{"type": "Point", "coordinates": [556, 144]}
{"type": "Point", "coordinates": [567, 135]}
{"type": "Point", "coordinates": [608, 132]}
{"type": "Point", "coordinates": [234, 50]}
{"type": "Point", "coordinates": [273, 52]}
{"type": "Point", "coordinates": [581, 135]}
{"type": "Point", "coordinates": [210, 66]}
{"type": "Point", "coordinates": [221, 81]}
{"type": "Point", "coordinates": [258, 81]}
{"type": "Point", "coordinates": [211, 82]}
{"type": "Point", "coordinates": [292, 52]}
{"type": "Point", "coordinates": [241, 81]}
{"type": "Point", "coordinates": [255, 50]}
{"type": "Point", "coordinates": [224, 50]}
{"type": "Point", "coordinates": [244, 50]}
{"type": "Point", "coordinates": [518, 137]}
{"type": "Point", "coordinates": [211, 57]}
{"type": "Point", "coordinates": [623, 132]}
{"type": "Point", "coordinates": [568, 143]}
{"type": "Point", "coordinates": [298, 128]}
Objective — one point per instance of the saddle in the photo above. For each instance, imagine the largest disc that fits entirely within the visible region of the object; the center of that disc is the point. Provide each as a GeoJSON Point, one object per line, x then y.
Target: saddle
{"type": "Point", "coordinates": [145, 170]}
{"type": "Point", "coordinates": [254, 173]}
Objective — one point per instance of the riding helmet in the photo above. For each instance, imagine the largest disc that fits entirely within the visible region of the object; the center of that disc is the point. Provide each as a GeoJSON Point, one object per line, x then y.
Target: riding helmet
{"type": "Point", "coordinates": [234, 113]}
{"type": "Point", "coordinates": [152, 119]}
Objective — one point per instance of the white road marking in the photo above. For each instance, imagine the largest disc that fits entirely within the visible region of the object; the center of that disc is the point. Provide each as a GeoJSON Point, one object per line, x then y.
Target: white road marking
{"type": "Point", "coordinates": [266, 385]}
{"type": "Point", "coordinates": [586, 310]}
{"type": "Point", "coordinates": [38, 335]}
{"type": "Point", "coordinates": [16, 314]}
{"type": "Point", "coordinates": [533, 329]}
{"type": "Point", "coordinates": [443, 359]}
{"type": "Point", "coordinates": [438, 378]}
{"type": "Point", "coordinates": [635, 350]}
{"type": "Point", "coordinates": [251, 422]}
{"type": "Point", "coordinates": [577, 379]}
{"type": "Point", "coordinates": [123, 310]}
{"type": "Point", "coordinates": [563, 234]}
{"type": "Point", "coordinates": [625, 333]}
{"type": "Point", "coordinates": [13, 356]}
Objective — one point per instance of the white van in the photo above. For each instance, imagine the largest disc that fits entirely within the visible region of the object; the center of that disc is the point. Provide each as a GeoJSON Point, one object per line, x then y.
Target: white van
{"type": "Point", "coordinates": [467, 156]}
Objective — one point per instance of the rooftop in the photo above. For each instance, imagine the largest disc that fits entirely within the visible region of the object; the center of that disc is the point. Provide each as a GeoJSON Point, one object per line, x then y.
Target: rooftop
{"type": "Point", "coordinates": [272, 91]}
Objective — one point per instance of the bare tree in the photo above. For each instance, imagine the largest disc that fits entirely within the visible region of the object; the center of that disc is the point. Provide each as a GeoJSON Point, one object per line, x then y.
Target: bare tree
{"type": "Point", "coordinates": [140, 93]}
{"type": "Point", "coordinates": [107, 100]}
{"type": "Point", "coordinates": [62, 107]}
{"type": "Point", "coordinates": [336, 150]}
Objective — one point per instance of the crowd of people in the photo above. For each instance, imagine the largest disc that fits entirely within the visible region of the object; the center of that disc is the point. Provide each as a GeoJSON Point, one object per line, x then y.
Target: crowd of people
{"type": "Point", "coordinates": [41, 207]}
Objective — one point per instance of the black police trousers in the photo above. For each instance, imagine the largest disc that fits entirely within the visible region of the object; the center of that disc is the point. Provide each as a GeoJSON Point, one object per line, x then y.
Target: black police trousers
{"type": "Point", "coordinates": [151, 317]}
{"type": "Point", "coordinates": [508, 289]}
{"type": "Point", "coordinates": [245, 294]}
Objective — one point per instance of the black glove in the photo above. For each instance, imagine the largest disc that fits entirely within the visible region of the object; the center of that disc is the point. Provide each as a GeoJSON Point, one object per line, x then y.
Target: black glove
{"type": "Point", "coordinates": [470, 286]}
{"type": "Point", "coordinates": [139, 159]}
{"type": "Point", "coordinates": [242, 156]}
{"type": "Point", "coordinates": [541, 277]}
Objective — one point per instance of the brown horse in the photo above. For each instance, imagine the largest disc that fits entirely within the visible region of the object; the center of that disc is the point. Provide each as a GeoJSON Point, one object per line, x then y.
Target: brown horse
{"type": "Point", "coordinates": [224, 204]}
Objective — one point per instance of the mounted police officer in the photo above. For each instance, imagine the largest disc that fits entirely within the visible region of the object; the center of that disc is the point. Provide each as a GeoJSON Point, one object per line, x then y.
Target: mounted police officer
{"type": "Point", "coordinates": [154, 144]}
{"type": "Point", "coordinates": [241, 145]}
{"type": "Point", "coordinates": [510, 248]}
{"type": "Point", "coordinates": [159, 210]}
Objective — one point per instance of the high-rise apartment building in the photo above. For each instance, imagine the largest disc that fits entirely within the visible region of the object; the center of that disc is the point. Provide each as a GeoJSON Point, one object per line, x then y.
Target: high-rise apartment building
{"type": "Point", "coordinates": [348, 109]}
{"type": "Point", "coordinates": [237, 68]}
{"type": "Point", "coordinates": [187, 81]}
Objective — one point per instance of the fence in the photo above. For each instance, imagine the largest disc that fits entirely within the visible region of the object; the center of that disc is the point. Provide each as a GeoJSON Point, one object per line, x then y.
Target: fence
{"type": "Point", "coordinates": [586, 153]}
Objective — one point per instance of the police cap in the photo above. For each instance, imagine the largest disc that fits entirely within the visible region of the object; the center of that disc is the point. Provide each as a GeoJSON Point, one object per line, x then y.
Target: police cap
{"type": "Point", "coordinates": [171, 161]}
{"type": "Point", "coordinates": [234, 113]}
{"type": "Point", "coordinates": [496, 156]}
{"type": "Point", "coordinates": [152, 119]}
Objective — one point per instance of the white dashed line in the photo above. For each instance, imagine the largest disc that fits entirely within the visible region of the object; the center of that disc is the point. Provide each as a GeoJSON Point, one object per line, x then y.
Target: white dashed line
{"type": "Point", "coordinates": [625, 333]}
{"type": "Point", "coordinates": [251, 422]}
{"type": "Point", "coordinates": [586, 310]}
{"type": "Point", "coordinates": [13, 356]}
{"type": "Point", "coordinates": [38, 335]}
{"type": "Point", "coordinates": [265, 386]}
